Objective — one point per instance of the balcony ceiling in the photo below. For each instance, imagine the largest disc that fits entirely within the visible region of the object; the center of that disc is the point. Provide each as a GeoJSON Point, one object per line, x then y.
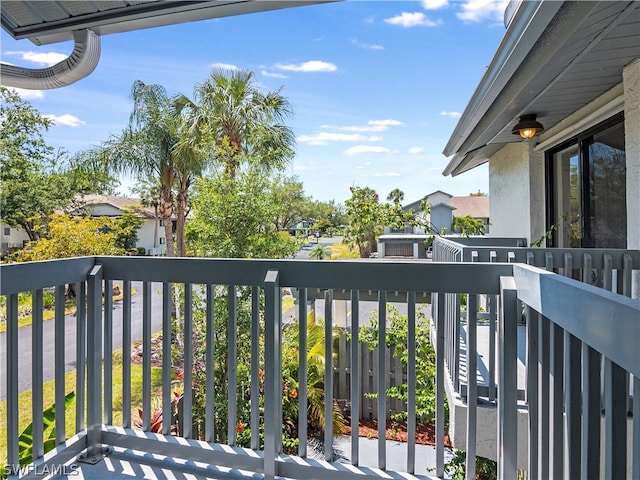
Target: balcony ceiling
{"type": "Point", "coordinates": [555, 58]}
{"type": "Point", "coordinates": [45, 22]}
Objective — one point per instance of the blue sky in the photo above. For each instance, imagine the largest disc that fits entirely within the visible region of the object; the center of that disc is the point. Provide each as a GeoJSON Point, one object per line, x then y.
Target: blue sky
{"type": "Point", "coordinates": [376, 86]}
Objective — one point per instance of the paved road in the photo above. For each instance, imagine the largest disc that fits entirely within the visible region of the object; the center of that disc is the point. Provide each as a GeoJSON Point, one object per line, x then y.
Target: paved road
{"type": "Point", "coordinates": [24, 339]}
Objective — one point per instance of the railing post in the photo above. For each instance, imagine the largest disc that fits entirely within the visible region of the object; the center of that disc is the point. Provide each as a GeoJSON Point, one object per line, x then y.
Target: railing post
{"type": "Point", "coordinates": [94, 451]}
{"type": "Point", "coordinates": [615, 408]}
{"type": "Point", "coordinates": [532, 389]}
{"type": "Point", "coordinates": [472, 384]}
{"type": "Point", "coordinates": [439, 319]}
{"type": "Point", "coordinates": [507, 380]}
{"type": "Point", "coordinates": [37, 374]}
{"type": "Point", "coordinates": [272, 401]}
{"type": "Point", "coordinates": [355, 374]}
{"type": "Point", "coordinates": [59, 334]}
{"type": "Point", "coordinates": [382, 379]}
{"type": "Point", "coordinates": [328, 375]}
{"type": "Point", "coordinates": [12, 381]}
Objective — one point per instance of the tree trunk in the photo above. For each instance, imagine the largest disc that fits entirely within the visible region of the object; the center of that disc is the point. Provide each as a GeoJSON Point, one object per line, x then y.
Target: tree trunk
{"type": "Point", "coordinates": [181, 213]}
{"type": "Point", "coordinates": [166, 213]}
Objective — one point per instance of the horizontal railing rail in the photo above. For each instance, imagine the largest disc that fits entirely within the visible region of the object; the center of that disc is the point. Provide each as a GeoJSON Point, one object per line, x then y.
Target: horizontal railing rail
{"type": "Point", "coordinates": [195, 297]}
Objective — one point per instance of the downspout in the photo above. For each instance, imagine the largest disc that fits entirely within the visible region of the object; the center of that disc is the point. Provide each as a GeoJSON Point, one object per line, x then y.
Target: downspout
{"type": "Point", "coordinates": [82, 61]}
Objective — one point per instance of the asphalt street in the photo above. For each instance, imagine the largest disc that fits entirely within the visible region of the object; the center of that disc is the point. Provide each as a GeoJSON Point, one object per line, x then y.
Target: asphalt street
{"type": "Point", "coordinates": [25, 334]}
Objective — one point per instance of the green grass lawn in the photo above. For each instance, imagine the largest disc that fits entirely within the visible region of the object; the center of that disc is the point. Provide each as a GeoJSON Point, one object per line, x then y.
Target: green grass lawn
{"type": "Point", "coordinates": [25, 400]}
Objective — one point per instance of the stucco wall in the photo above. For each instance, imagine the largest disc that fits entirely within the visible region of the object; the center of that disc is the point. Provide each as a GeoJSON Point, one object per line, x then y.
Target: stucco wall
{"type": "Point", "coordinates": [509, 192]}
{"type": "Point", "coordinates": [438, 197]}
{"type": "Point", "coordinates": [441, 216]}
{"type": "Point", "coordinates": [103, 210]}
{"type": "Point", "coordinates": [631, 82]}
{"type": "Point", "coordinates": [145, 235]}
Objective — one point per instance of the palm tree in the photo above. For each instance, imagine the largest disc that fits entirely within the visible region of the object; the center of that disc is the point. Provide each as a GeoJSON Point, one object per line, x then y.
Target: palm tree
{"type": "Point", "coordinates": [320, 252]}
{"type": "Point", "coordinates": [396, 195]}
{"type": "Point", "coordinates": [230, 112]}
{"type": "Point", "coordinates": [145, 148]}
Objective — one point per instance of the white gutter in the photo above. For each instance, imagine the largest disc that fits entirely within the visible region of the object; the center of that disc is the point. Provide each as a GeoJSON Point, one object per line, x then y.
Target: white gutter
{"type": "Point", "coordinates": [82, 61]}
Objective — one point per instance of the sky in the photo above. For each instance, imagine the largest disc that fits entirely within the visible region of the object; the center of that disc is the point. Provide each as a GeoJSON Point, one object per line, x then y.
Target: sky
{"type": "Point", "coordinates": [376, 87]}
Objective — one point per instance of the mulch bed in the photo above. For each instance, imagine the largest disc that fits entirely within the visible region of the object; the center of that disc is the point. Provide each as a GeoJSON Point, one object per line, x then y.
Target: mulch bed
{"type": "Point", "coordinates": [425, 433]}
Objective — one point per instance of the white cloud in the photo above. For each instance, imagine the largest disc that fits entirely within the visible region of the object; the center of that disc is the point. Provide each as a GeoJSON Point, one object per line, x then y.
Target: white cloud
{"type": "Point", "coordinates": [367, 46]}
{"type": "Point", "coordinates": [310, 66]}
{"type": "Point", "coordinates": [357, 128]}
{"type": "Point", "coordinates": [416, 150]}
{"type": "Point", "coordinates": [42, 58]}
{"type": "Point", "coordinates": [385, 123]}
{"type": "Point", "coordinates": [434, 4]}
{"type": "Point", "coordinates": [360, 149]}
{"type": "Point", "coordinates": [273, 75]}
{"type": "Point", "coordinates": [479, 10]}
{"type": "Point", "coordinates": [371, 126]}
{"type": "Point", "coordinates": [225, 66]}
{"type": "Point", "coordinates": [416, 19]}
{"type": "Point", "coordinates": [324, 138]}
{"type": "Point", "coordinates": [450, 114]}
{"type": "Point", "coordinates": [387, 174]}
{"type": "Point", "coordinates": [66, 119]}
{"type": "Point", "coordinates": [29, 94]}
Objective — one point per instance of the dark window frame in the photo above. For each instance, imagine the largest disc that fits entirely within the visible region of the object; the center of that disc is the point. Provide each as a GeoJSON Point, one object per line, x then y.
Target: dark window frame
{"type": "Point", "coordinates": [582, 141]}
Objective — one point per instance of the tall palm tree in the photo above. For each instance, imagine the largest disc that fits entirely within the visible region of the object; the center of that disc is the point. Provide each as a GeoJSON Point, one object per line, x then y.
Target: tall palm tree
{"type": "Point", "coordinates": [145, 148]}
{"type": "Point", "coordinates": [230, 112]}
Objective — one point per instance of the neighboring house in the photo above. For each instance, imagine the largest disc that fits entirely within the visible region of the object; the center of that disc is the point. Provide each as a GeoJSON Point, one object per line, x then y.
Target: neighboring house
{"type": "Point", "coordinates": [575, 67]}
{"type": "Point", "coordinates": [12, 238]}
{"type": "Point", "coordinates": [410, 241]}
{"type": "Point", "coordinates": [151, 234]}
{"type": "Point", "coordinates": [474, 206]}
{"type": "Point", "coordinates": [445, 207]}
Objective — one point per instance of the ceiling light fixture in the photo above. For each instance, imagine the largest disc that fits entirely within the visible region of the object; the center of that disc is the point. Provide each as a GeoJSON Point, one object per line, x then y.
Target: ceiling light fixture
{"type": "Point", "coordinates": [527, 127]}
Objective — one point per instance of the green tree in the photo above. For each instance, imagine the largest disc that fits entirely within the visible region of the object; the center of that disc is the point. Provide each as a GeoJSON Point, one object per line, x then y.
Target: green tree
{"type": "Point", "coordinates": [75, 236]}
{"type": "Point", "coordinates": [127, 226]}
{"type": "Point", "coordinates": [289, 198]}
{"type": "Point", "coordinates": [368, 217]}
{"type": "Point", "coordinates": [234, 218]}
{"type": "Point", "coordinates": [468, 225]}
{"type": "Point", "coordinates": [35, 181]}
{"type": "Point", "coordinates": [366, 220]}
{"type": "Point", "coordinates": [228, 109]}
{"type": "Point", "coordinates": [396, 195]}
{"type": "Point", "coordinates": [320, 252]}
{"type": "Point", "coordinates": [146, 149]}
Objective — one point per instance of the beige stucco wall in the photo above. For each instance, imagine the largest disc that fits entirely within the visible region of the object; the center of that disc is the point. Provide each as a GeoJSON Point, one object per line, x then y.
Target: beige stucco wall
{"type": "Point", "coordinates": [631, 84]}
{"type": "Point", "coordinates": [510, 192]}
{"type": "Point", "coordinates": [15, 238]}
{"type": "Point", "coordinates": [146, 233]}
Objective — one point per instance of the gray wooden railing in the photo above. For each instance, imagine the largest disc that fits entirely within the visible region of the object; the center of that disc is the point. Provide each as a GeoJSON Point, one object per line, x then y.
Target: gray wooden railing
{"type": "Point", "coordinates": [604, 319]}
{"type": "Point", "coordinates": [609, 269]}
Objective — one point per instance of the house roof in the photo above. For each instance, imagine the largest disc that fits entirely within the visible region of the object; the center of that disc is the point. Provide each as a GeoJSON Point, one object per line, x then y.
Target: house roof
{"type": "Point", "coordinates": [55, 20]}
{"type": "Point", "coordinates": [555, 57]}
{"type": "Point", "coordinates": [475, 206]}
{"type": "Point", "coordinates": [86, 21]}
{"type": "Point", "coordinates": [118, 202]}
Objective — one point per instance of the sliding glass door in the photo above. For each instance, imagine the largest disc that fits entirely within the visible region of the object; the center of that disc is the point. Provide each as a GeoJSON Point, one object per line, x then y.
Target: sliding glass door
{"type": "Point", "coordinates": [586, 189]}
